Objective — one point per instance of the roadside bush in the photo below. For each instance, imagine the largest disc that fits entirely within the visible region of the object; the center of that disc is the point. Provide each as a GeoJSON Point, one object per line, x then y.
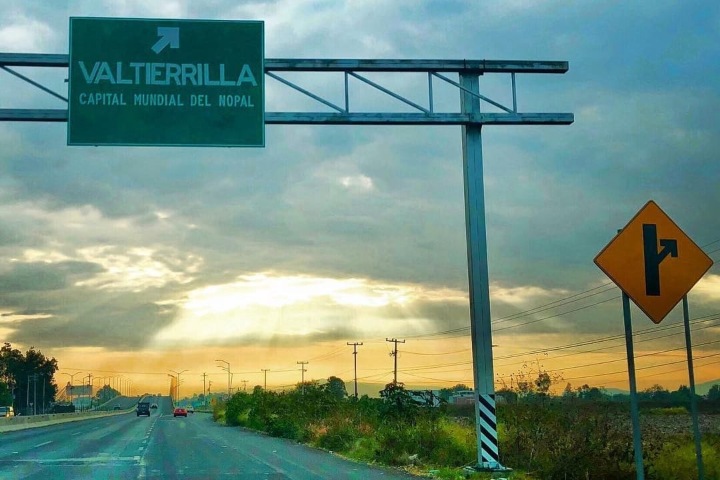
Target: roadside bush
{"type": "Point", "coordinates": [443, 442]}
{"type": "Point", "coordinates": [337, 437]}
{"type": "Point", "coordinates": [286, 427]}
{"type": "Point", "coordinates": [567, 441]}
{"type": "Point", "coordinates": [238, 409]}
{"type": "Point", "coordinates": [218, 412]}
{"type": "Point", "coordinates": [396, 443]}
{"type": "Point", "coordinates": [676, 461]}
{"type": "Point", "coordinates": [665, 411]}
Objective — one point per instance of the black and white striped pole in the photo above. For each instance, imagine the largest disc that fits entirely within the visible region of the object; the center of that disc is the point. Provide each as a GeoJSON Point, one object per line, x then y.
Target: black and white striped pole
{"type": "Point", "coordinates": [479, 284]}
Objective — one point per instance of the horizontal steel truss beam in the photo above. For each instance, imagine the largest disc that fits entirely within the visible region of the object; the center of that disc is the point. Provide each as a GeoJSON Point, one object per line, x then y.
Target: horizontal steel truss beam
{"type": "Point", "coordinates": [339, 65]}
{"type": "Point", "coordinates": [320, 118]}
{"type": "Point", "coordinates": [342, 115]}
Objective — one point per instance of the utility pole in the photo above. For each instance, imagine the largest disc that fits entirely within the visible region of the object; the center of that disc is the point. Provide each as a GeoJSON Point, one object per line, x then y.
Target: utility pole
{"type": "Point", "coordinates": [265, 370]}
{"type": "Point", "coordinates": [355, 345]}
{"type": "Point", "coordinates": [35, 375]}
{"type": "Point", "coordinates": [394, 353]}
{"type": "Point", "coordinates": [43, 395]}
{"type": "Point", "coordinates": [204, 396]}
{"type": "Point", "coordinates": [303, 370]}
{"type": "Point", "coordinates": [89, 391]}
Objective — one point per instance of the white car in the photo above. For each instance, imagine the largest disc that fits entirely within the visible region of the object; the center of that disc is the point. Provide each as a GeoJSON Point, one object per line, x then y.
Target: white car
{"type": "Point", "coordinates": [191, 409]}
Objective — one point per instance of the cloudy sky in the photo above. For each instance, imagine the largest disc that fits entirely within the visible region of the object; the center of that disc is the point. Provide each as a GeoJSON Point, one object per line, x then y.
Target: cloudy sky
{"type": "Point", "coordinates": [137, 261]}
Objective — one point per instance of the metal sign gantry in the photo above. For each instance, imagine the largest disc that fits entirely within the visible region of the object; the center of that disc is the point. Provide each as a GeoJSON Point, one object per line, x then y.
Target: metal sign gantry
{"type": "Point", "coordinates": [469, 116]}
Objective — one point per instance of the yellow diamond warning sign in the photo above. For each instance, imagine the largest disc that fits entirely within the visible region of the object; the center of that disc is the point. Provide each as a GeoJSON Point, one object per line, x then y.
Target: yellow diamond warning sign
{"type": "Point", "coordinates": [653, 261]}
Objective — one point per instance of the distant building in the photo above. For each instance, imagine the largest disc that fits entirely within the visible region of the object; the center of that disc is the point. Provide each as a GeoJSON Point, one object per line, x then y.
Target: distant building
{"type": "Point", "coordinates": [467, 397]}
{"type": "Point", "coordinates": [425, 398]}
{"type": "Point", "coordinates": [462, 397]}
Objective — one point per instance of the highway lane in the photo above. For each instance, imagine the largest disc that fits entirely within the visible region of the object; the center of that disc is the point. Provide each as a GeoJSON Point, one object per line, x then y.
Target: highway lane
{"type": "Point", "coordinates": [106, 447]}
{"type": "Point", "coordinates": [123, 402]}
{"type": "Point", "coordinates": [164, 447]}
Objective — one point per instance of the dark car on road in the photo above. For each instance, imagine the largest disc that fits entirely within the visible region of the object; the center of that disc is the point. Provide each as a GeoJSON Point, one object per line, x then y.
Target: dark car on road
{"type": "Point", "coordinates": [143, 408]}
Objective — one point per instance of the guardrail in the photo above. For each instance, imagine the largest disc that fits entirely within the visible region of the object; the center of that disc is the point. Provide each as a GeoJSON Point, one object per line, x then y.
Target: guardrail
{"type": "Point", "coordinates": [9, 424]}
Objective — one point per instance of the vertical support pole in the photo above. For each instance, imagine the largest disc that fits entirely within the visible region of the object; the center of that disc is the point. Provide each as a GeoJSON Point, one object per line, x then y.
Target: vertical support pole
{"type": "Point", "coordinates": [635, 414]}
{"type": "Point", "coordinates": [693, 399]}
{"type": "Point", "coordinates": [347, 94]}
{"type": "Point", "coordinates": [430, 92]}
{"type": "Point", "coordinates": [514, 92]}
{"type": "Point", "coordinates": [479, 283]}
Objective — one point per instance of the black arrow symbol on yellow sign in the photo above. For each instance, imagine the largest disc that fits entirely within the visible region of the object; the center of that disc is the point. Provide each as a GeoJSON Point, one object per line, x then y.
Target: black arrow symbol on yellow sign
{"type": "Point", "coordinates": [653, 258]}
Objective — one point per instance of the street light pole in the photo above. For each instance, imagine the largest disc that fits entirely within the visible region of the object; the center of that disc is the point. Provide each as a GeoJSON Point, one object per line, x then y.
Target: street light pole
{"type": "Point", "coordinates": [171, 389]}
{"type": "Point", "coordinates": [265, 370]}
{"type": "Point", "coordinates": [72, 377]}
{"type": "Point", "coordinates": [35, 375]}
{"type": "Point", "coordinates": [228, 370]}
{"type": "Point", "coordinates": [177, 387]}
{"type": "Point", "coordinates": [89, 377]}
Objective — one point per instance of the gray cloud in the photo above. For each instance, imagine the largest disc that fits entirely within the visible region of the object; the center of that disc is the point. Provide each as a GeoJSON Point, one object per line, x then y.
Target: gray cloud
{"type": "Point", "coordinates": [41, 276]}
{"type": "Point", "coordinates": [641, 84]}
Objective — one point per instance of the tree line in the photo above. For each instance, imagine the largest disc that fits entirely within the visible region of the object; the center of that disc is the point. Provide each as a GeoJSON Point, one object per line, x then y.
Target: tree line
{"type": "Point", "coordinates": [27, 380]}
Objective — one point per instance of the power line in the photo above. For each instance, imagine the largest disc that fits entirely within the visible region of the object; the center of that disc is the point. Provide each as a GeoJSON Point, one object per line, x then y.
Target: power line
{"type": "Point", "coordinates": [641, 332]}
{"type": "Point", "coordinates": [607, 339]}
{"type": "Point", "coordinates": [548, 306]}
{"type": "Point", "coordinates": [443, 353]}
{"type": "Point", "coordinates": [641, 368]}
{"type": "Point", "coordinates": [555, 304]}
{"type": "Point", "coordinates": [555, 316]}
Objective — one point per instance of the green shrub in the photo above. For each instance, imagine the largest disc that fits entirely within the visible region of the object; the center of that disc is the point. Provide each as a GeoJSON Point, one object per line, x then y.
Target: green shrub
{"type": "Point", "coordinates": [337, 434]}
{"type": "Point", "coordinates": [667, 411]}
{"type": "Point", "coordinates": [364, 449]}
{"type": "Point", "coordinates": [286, 427]}
{"type": "Point", "coordinates": [445, 443]}
{"type": "Point", "coordinates": [396, 444]}
{"type": "Point", "coordinates": [567, 441]}
{"type": "Point", "coordinates": [218, 412]}
{"type": "Point", "coordinates": [677, 462]}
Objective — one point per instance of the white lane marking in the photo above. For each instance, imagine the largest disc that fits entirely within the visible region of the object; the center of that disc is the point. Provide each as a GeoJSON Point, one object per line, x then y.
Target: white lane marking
{"type": "Point", "coordinates": [43, 444]}
{"type": "Point", "coordinates": [76, 433]}
{"type": "Point", "coordinates": [80, 460]}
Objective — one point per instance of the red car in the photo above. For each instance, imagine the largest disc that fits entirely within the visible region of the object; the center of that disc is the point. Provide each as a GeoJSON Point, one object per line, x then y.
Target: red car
{"type": "Point", "coordinates": [179, 412]}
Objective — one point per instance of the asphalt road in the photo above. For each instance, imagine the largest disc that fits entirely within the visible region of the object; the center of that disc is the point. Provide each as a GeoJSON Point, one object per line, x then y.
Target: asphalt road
{"type": "Point", "coordinates": [164, 447]}
{"type": "Point", "coordinates": [123, 402]}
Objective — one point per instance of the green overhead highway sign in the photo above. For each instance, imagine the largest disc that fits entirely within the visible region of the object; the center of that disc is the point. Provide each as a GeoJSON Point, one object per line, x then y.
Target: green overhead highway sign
{"type": "Point", "coordinates": [152, 82]}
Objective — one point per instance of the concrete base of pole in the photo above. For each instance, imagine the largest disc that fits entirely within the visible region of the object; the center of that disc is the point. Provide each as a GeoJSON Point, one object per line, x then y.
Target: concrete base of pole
{"type": "Point", "coordinates": [488, 467]}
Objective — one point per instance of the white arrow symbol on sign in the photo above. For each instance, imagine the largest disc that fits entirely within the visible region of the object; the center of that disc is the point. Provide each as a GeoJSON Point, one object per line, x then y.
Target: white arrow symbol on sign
{"type": "Point", "coordinates": [168, 36]}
